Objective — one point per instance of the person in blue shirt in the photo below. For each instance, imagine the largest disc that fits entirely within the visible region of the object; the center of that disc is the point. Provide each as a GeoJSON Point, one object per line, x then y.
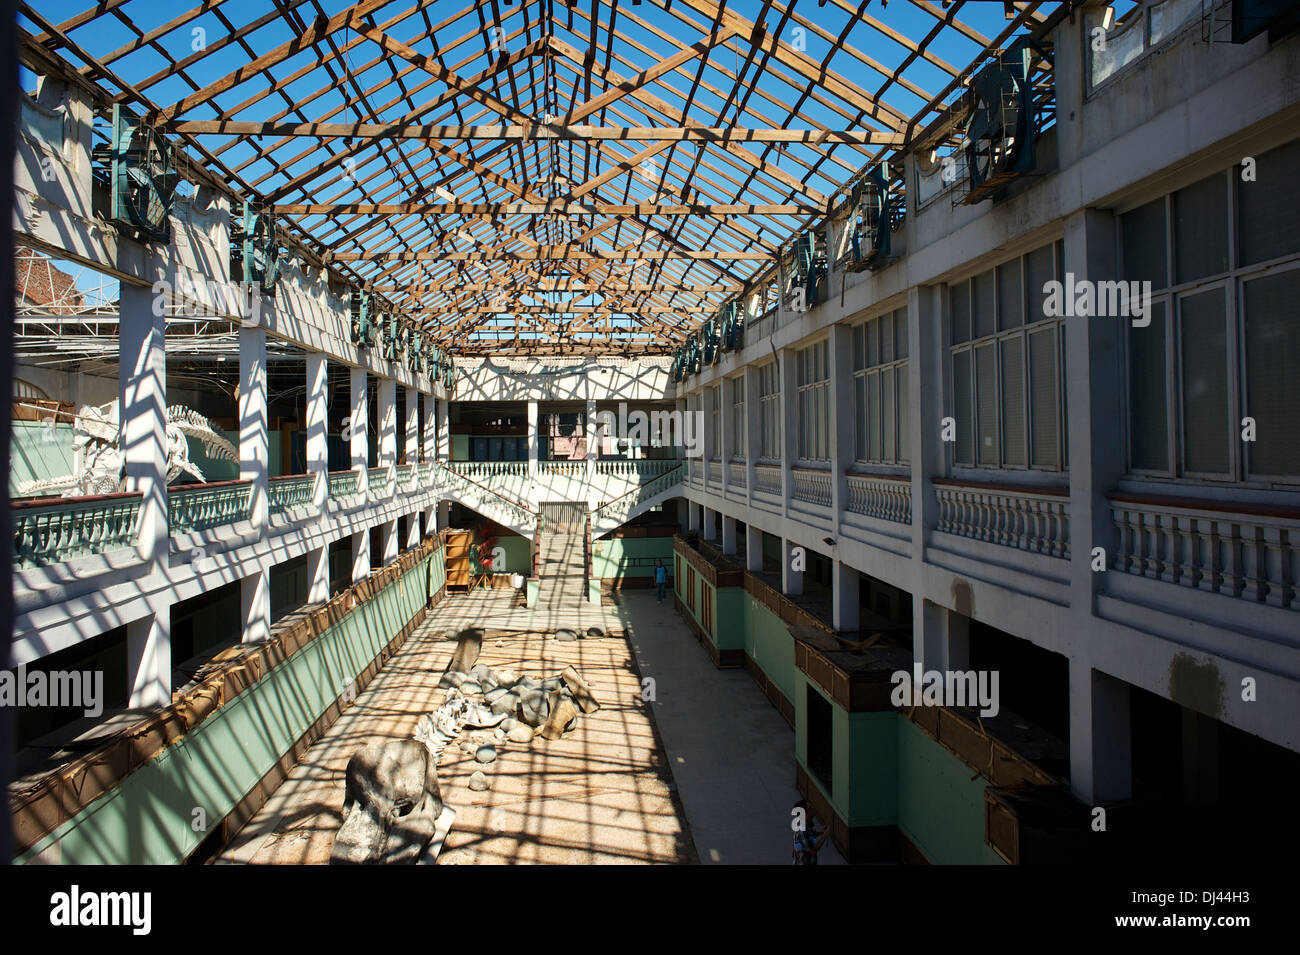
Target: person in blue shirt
{"type": "Point", "coordinates": [661, 580]}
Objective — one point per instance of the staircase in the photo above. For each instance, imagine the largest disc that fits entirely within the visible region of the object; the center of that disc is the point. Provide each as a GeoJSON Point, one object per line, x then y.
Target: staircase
{"type": "Point", "coordinates": [562, 557]}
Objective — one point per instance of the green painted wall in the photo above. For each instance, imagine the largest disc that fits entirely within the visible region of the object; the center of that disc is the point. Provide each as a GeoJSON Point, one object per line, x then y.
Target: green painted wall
{"type": "Point", "coordinates": [148, 819]}
{"type": "Point", "coordinates": [769, 644]}
{"type": "Point", "coordinates": [630, 556]}
{"type": "Point", "coordinates": [519, 557]}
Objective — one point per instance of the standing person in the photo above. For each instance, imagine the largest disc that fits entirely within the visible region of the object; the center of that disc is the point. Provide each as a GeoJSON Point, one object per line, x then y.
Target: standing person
{"type": "Point", "coordinates": [808, 838]}
{"type": "Point", "coordinates": [661, 580]}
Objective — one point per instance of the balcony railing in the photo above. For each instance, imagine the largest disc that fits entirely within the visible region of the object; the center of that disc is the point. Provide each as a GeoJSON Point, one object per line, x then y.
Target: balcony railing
{"type": "Point", "coordinates": [201, 507]}
{"type": "Point", "coordinates": [736, 476]}
{"type": "Point", "coordinates": [1243, 551]}
{"type": "Point", "coordinates": [620, 509]}
{"type": "Point", "coordinates": [1024, 518]}
{"type": "Point", "coordinates": [641, 468]}
{"type": "Point", "coordinates": [569, 469]}
{"type": "Point", "coordinates": [811, 486]}
{"type": "Point", "coordinates": [715, 473]}
{"type": "Point", "coordinates": [882, 497]}
{"type": "Point", "coordinates": [53, 530]}
{"type": "Point", "coordinates": [404, 473]}
{"type": "Point", "coordinates": [767, 479]}
{"type": "Point", "coordinates": [292, 490]}
{"type": "Point", "coordinates": [381, 480]}
{"type": "Point", "coordinates": [343, 484]}
{"type": "Point", "coordinates": [481, 470]}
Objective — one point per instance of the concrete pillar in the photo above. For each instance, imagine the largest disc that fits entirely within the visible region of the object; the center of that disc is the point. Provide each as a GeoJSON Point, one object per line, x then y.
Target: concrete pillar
{"type": "Point", "coordinates": [940, 637]}
{"type": "Point", "coordinates": [844, 596]}
{"type": "Point", "coordinates": [1101, 757]}
{"type": "Point", "coordinates": [255, 606]}
{"type": "Point", "coordinates": [842, 421]}
{"type": "Point", "coordinates": [142, 389]}
{"type": "Point", "coordinates": [753, 428]}
{"type": "Point", "coordinates": [317, 427]}
{"type": "Point", "coordinates": [1200, 758]}
{"type": "Point", "coordinates": [254, 442]}
{"type": "Point", "coordinates": [790, 425]}
{"type": "Point", "coordinates": [429, 437]}
{"type": "Point", "coordinates": [386, 395]}
{"type": "Point", "coordinates": [753, 548]}
{"type": "Point", "coordinates": [360, 555]}
{"type": "Point", "coordinates": [710, 524]}
{"type": "Point", "coordinates": [794, 560]}
{"type": "Point", "coordinates": [412, 451]}
{"type": "Point", "coordinates": [708, 404]}
{"type": "Point", "coordinates": [728, 534]}
{"type": "Point", "coordinates": [726, 435]}
{"type": "Point", "coordinates": [534, 444]}
{"type": "Point", "coordinates": [360, 423]}
{"type": "Point", "coordinates": [684, 514]}
{"type": "Point", "coordinates": [927, 337]}
{"type": "Point", "coordinates": [1095, 385]}
{"type": "Point", "coordinates": [444, 432]}
{"type": "Point", "coordinates": [693, 520]}
{"type": "Point", "coordinates": [149, 658]}
{"type": "Point", "coordinates": [591, 449]}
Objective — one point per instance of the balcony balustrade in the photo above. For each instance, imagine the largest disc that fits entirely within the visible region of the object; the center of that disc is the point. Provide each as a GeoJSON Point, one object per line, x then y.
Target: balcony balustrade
{"type": "Point", "coordinates": [1242, 551]}
{"type": "Point", "coordinates": [885, 498]}
{"type": "Point", "coordinates": [201, 507]}
{"type": "Point", "coordinates": [811, 486]}
{"type": "Point", "coordinates": [767, 479]}
{"type": "Point", "coordinates": [343, 484]}
{"type": "Point", "coordinates": [1025, 518]}
{"type": "Point", "coordinates": [53, 530]}
{"type": "Point", "coordinates": [292, 490]}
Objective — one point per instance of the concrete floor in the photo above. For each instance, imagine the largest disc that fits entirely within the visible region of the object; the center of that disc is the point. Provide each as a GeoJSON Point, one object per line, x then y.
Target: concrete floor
{"type": "Point", "coordinates": [714, 784]}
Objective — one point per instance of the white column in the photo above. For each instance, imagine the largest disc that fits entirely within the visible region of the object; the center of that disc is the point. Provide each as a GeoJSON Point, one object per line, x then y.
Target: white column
{"type": "Point", "coordinates": [844, 596]}
{"type": "Point", "coordinates": [412, 457]}
{"type": "Point", "coordinates": [429, 453]}
{"type": "Point", "coordinates": [753, 548]}
{"type": "Point", "coordinates": [149, 659]}
{"type": "Point", "coordinates": [1095, 386]}
{"type": "Point", "coordinates": [927, 337]}
{"type": "Point", "coordinates": [317, 426]}
{"type": "Point", "coordinates": [1101, 757]}
{"type": "Point", "coordinates": [728, 534]}
{"type": "Point", "coordinates": [710, 524]}
{"type": "Point", "coordinates": [753, 429]}
{"type": "Point", "coordinates": [360, 425]}
{"type": "Point", "coordinates": [790, 427]}
{"type": "Point", "coordinates": [254, 442]}
{"type": "Point", "coordinates": [444, 432]}
{"type": "Point", "coordinates": [255, 605]}
{"type": "Point", "coordinates": [534, 444]}
{"type": "Point", "coordinates": [843, 418]}
{"type": "Point", "coordinates": [386, 394]}
{"type": "Point", "coordinates": [360, 460]}
{"type": "Point", "coordinates": [941, 637]}
{"type": "Point", "coordinates": [792, 576]}
{"type": "Point", "coordinates": [693, 518]}
{"type": "Point", "coordinates": [142, 389]}
{"type": "Point", "coordinates": [591, 453]}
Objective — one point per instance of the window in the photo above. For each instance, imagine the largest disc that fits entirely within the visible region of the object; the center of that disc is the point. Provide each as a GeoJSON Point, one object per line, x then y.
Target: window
{"type": "Point", "coordinates": [1006, 367]}
{"type": "Point", "coordinates": [738, 417]}
{"type": "Point", "coordinates": [880, 389]}
{"type": "Point", "coordinates": [715, 414]}
{"type": "Point", "coordinates": [814, 394]}
{"type": "Point", "coordinates": [1223, 259]}
{"type": "Point", "coordinates": [769, 411]}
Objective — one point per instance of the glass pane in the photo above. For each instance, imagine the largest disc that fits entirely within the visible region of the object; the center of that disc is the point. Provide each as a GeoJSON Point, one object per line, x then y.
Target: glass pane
{"type": "Point", "coordinates": [1269, 207]}
{"type": "Point", "coordinates": [1272, 386]}
{"type": "Point", "coordinates": [1201, 229]}
{"type": "Point", "coordinates": [1039, 270]}
{"type": "Point", "coordinates": [886, 338]}
{"type": "Point", "coordinates": [902, 412]}
{"type": "Point", "coordinates": [1204, 349]}
{"type": "Point", "coordinates": [1043, 427]}
{"type": "Point", "coordinates": [1148, 380]}
{"type": "Point", "coordinates": [1013, 402]}
{"type": "Point", "coordinates": [1146, 244]}
{"type": "Point", "coordinates": [900, 332]}
{"type": "Point", "coordinates": [986, 398]}
{"type": "Point", "coordinates": [887, 412]}
{"type": "Point", "coordinates": [860, 416]}
{"type": "Point", "coordinates": [873, 343]}
{"type": "Point", "coordinates": [983, 317]}
{"type": "Point", "coordinates": [961, 389]}
{"type": "Point", "coordinates": [859, 347]}
{"type": "Point", "coordinates": [960, 296]}
{"type": "Point", "coordinates": [873, 397]}
{"type": "Point", "coordinates": [1010, 308]}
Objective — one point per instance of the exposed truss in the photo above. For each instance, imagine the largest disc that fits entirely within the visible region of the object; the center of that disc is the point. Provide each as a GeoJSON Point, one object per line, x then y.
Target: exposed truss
{"type": "Point", "coordinates": [473, 163]}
